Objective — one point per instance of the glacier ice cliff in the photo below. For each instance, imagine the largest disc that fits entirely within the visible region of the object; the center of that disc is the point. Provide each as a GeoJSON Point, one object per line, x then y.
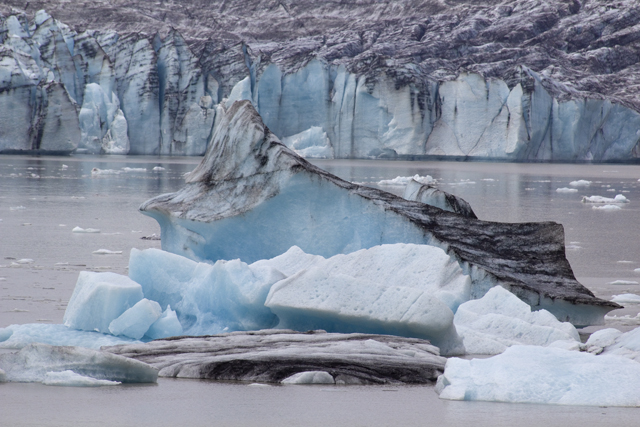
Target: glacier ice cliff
{"type": "Point", "coordinates": [252, 198]}
{"type": "Point", "coordinates": [544, 80]}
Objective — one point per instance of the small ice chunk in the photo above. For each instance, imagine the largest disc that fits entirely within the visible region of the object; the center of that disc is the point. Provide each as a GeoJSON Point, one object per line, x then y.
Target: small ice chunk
{"type": "Point", "coordinates": [580, 183]}
{"type": "Point", "coordinates": [623, 261]}
{"type": "Point", "coordinates": [98, 299]}
{"type": "Point", "coordinates": [84, 230]}
{"type": "Point", "coordinates": [23, 261]}
{"type": "Point", "coordinates": [126, 169]}
{"type": "Point", "coordinates": [64, 167]}
{"type": "Point", "coordinates": [135, 322]}
{"type": "Point", "coordinates": [158, 168]}
{"type": "Point", "coordinates": [17, 208]}
{"type": "Point", "coordinates": [106, 252]}
{"type": "Point", "coordinates": [71, 379]}
{"type": "Point", "coordinates": [607, 207]}
{"type": "Point", "coordinates": [599, 199]}
{"type": "Point", "coordinates": [636, 270]}
{"type": "Point", "coordinates": [623, 282]}
{"type": "Point", "coordinates": [626, 299]}
{"type": "Point", "coordinates": [309, 377]}
{"type": "Point", "coordinates": [531, 374]}
{"type": "Point", "coordinates": [167, 325]}
{"type": "Point", "coordinates": [566, 190]}
{"type": "Point", "coordinates": [626, 345]}
{"type": "Point", "coordinates": [404, 180]}
{"type": "Point", "coordinates": [98, 172]}
{"type": "Point", "coordinates": [601, 339]}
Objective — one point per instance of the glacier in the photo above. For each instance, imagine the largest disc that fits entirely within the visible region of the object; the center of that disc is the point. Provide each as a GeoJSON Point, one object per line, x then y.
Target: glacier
{"type": "Point", "coordinates": [252, 198]}
{"type": "Point", "coordinates": [514, 82]}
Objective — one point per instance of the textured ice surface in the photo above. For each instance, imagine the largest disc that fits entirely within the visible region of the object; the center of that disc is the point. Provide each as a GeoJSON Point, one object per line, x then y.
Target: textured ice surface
{"type": "Point", "coordinates": [312, 143]}
{"type": "Point", "coordinates": [167, 325]}
{"type": "Point", "coordinates": [98, 299]}
{"type": "Point", "coordinates": [530, 374]}
{"type": "Point", "coordinates": [407, 290]}
{"type": "Point", "coordinates": [580, 183]}
{"type": "Point", "coordinates": [208, 299]}
{"type": "Point", "coordinates": [273, 355]}
{"type": "Point", "coordinates": [33, 362]}
{"type": "Point", "coordinates": [626, 345]}
{"type": "Point", "coordinates": [566, 190]}
{"type": "Point", "coordinates": [84, 230]}
{"type": "Point", "coordinates": [404, 180]}
{"type": "Point", "coordinates": [252, 198]}
{"type": "Point", "coordinates": [135, 322]}
{"type": "Point", "coordinates": [18, 336]}
{"type": "Point", "coordinates": [429, 195]}
{"type": "Point", "coordinates": [500, 320]}
{"type": "Point", "coordinates": [71, 379]}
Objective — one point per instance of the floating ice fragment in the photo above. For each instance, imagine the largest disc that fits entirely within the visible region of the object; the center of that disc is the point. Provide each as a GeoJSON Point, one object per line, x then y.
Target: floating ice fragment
{"type": "Point", "coordinates": [626, 299]}
{"type": "Point", "coordinates": [64, 167]}
{"type": "Point", "coordinates": [23, 261]}
{"type": "Point", "coordinates": [488, 179]}
{"type": "Point", "coordinates": [580, 183]}
{"type": "Point", "coordinates": [309, 377]}
{"type": "Point", "coordinates": [19, 336]}
{"type": "Point", "coordinates": [153, 236]}
{"type": "Point", "coordinates": [167, 325]}
{"type": "Point", "coordinates": [17, 208]}
{"type": "Point", "coordinates": [566, 190]}
{"type": "Point", "coordinates": [636, 270]}
{"type": "Point", "coordinates": [84, 230]}
{"type": "Point", "coordinates": [607, 208]}
{"type": "Point", "coordinates": [531, 374]}
{"type": "Point", "coordinates": [623, 282]}
{"type": "Point", "coordinates": [71, 379]}
{"type": "Point", "coordinates": [106, 252]}
{"type": "Point", "coordinates": [98, 299]}
{"type": "Point", "coordinates": [126, 169]}
{"type": "Point", "coordinates": [158, 168]}
{"type": "Point", "coordinates": [97, 172]}
{"type": "Point", "coordinates": [599, 199]}
{"type": "Point", "coordinates": [404, 180]}
{"type": "Point", "coordinates": [500, 319]}
{"type": "Point", "coordinates": [625, 262]}
{"type": "Point", "coordinates": [135, 322]}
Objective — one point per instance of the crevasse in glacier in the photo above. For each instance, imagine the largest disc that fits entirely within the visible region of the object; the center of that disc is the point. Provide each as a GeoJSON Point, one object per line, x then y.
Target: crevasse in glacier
{"type": "Point", "coordinates": [252, 198]}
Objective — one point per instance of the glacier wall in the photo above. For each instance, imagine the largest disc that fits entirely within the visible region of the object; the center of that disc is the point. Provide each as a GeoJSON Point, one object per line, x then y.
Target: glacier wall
{"type": "Point", "coordinates": [105, 92]}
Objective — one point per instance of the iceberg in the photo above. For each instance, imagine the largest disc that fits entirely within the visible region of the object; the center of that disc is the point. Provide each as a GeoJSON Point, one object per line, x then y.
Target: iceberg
{"type": "Point", "coordinates": [252, 198]}
{"type": "Point", "coordinates": [19, 336]}
{"type": "Point", "coordinates": [36, 362]}
{"type": "Point", "coordinates": [531, 374]}
{"type": "Point", "coordinates": [499, 320]}
{"type": "Point", "coordinates": [599, 199]}
{"type": "Point", "coordinates": [272, 356]}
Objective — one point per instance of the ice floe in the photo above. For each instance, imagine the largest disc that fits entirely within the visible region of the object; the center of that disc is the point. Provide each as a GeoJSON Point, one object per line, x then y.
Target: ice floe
{"type": "Point", "coordinates": [98, 172]}
{"type": "Point", "coordinates": [599, 199]}
{"type": "Point", "coordinates": [106, 252]}
{"type": "Point", "coordinates": [36, 362]}
{"type": "Point", "coordinates": [566, 190]}
{"type": "Point", "coordinates": [404, 180]}
{"type": "Point", "coordinates": [625, 299]}
{"type": "Point", "coordinates": [85, 230]}
{"type": "Point", "coordinates": [71, 379]}
{"type": "Point", "coordinates": [623, 282]}
{"type": "Point", "coordinates": [531, 374]}
{"type": "Point", "coordinates": [580, 183]}
{"type": "Point", "coordinates": [607, 208]}
{"type": "Point", "coordinates": [500, 319]}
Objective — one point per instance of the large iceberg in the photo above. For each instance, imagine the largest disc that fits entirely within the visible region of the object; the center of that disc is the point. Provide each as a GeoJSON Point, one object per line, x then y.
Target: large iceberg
{"type": "Point", "coordinates": [531, 374]}
{"type": "Point", "coordinates": [252, 198]}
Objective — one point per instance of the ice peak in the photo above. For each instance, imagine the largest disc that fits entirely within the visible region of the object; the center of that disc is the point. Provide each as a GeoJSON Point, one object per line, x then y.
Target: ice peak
{"type": "Point", "coordinates": [239, 148]}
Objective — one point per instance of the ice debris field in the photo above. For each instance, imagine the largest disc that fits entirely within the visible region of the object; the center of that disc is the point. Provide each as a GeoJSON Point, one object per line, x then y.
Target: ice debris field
{"type": "Point", "coordinates": [365, 291]}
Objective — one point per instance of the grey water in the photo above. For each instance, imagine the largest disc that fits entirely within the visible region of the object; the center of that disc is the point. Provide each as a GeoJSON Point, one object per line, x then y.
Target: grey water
{"type": "Point", "coordinates": [43, 198]}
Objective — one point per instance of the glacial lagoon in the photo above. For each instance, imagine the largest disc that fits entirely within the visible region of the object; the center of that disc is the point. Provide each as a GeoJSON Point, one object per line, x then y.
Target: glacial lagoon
{"type": "Point", "coordinates": [43, 198]}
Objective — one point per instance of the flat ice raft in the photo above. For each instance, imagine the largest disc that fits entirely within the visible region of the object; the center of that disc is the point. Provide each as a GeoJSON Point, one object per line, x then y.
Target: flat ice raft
{"type": "Point", "coordinates": [252, 198]}
{"type": "Point", "coordinates": [530, 374]}
{"type": "Point", "coordinates": [275, 356]}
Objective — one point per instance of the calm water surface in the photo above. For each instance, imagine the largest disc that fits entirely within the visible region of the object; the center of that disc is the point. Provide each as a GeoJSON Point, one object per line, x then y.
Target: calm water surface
{"type": "Point", "coordinates": [43, 198]}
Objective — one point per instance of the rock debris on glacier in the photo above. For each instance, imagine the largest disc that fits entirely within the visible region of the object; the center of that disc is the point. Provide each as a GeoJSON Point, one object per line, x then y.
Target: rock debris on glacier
{"type": "Point", "coordinates": [519, 80]}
